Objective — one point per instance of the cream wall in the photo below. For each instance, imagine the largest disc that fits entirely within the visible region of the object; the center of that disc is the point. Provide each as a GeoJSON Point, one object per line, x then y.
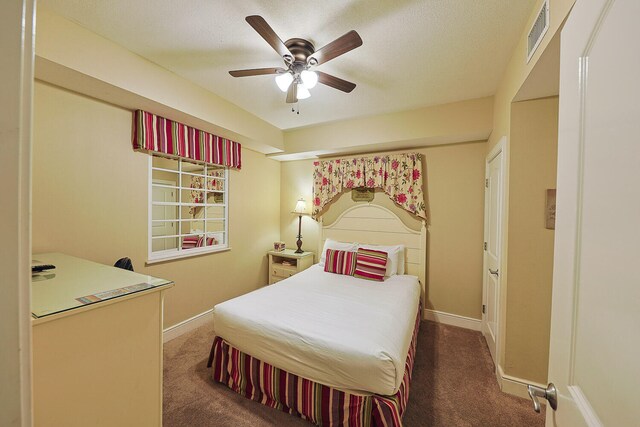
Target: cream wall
{"type": "Point", "coordinates": [454, 185]}
{"type": "Point", "coordinates": [518, 69]}
{"type": "Point", "coordinates": [90, 200]}
{"type": "Point", "coordinates": [534, 147]}
{"type": "Point", "coordinates": [469, 120]}
{"type": "Point", "coordinates": [515, 76]}
{"type": "Point", "coordinates": [71, 56]}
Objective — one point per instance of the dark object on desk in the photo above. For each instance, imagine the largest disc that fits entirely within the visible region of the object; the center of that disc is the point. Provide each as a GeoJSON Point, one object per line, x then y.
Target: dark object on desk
{"type": "Point", "coordinates": [42, 267]}
{"type": "Point", "coordinates": [124, 263]}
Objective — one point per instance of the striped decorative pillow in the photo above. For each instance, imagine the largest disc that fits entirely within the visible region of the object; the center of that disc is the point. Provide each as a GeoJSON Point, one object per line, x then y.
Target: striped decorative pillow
{"type": "Point", "coordinates": [189, 242]}
{"type": "Point", "coordinates": [210, 241]}
{"type": "Point", "coordinates": [371, 264]}
{"type": "Point", "coordinates": [340, 262]}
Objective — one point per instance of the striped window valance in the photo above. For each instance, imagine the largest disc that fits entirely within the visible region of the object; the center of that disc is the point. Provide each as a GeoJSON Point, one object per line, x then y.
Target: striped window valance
{"type": "Point", "coordinates": [156, 134]}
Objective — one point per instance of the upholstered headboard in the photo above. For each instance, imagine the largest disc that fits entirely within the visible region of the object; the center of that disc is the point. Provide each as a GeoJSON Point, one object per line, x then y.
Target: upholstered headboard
{"type": "Point", "coordinates": [377, 225]}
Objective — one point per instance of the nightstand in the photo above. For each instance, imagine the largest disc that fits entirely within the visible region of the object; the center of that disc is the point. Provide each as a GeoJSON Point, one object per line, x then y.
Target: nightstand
{"type": "Point", "coordinates": [283, 264]}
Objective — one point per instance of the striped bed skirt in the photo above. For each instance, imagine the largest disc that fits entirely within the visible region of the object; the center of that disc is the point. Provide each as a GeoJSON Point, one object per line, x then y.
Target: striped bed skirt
{"type": "Point", "coordinates": [320, 404]}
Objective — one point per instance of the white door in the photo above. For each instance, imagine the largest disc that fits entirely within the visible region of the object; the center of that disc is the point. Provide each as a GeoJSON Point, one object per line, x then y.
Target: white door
{"type": "Point", "coordinates": [493, 203]}
{"type": "Point", "coordinates": [594, 357]}
{"type": "Point", "coordinates": [160, 226]}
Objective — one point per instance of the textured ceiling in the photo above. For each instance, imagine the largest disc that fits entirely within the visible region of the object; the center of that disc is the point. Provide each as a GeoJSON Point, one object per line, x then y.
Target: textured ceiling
{"type": "Point", "coordinates": [416, 52]}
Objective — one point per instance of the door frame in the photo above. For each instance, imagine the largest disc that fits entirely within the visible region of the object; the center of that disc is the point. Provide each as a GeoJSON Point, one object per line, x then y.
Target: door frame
{"type": "Point", "coordinates": [500, 147]}
{"type": "Point", "coordinates": [17, 42]}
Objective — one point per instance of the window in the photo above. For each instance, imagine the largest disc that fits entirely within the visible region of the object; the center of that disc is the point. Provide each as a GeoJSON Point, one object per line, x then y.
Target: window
{"type": "Point", "coordinates": [188, 209]}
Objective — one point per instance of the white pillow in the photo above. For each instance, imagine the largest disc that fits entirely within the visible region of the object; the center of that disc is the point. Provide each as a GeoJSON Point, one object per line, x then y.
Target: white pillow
{"type": "Point", "coordinates": [340, 246]}
{"type": "Point", "coordinates": [219, 236]}
{"type": "Point", "coordinates": [395, 257]}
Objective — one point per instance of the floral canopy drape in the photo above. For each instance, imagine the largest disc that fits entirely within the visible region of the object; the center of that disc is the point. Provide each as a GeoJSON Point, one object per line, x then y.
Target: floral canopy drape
{"type": "Point", "coordinates": [398, 175]}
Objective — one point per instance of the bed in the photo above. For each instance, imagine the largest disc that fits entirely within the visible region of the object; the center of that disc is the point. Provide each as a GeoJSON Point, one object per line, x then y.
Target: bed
{"type": "Point", "coordinates": [333, 349]}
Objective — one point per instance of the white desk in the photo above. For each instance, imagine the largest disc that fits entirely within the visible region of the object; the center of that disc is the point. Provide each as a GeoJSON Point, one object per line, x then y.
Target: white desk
{"type": "Point", "coordinates": [96, 363]}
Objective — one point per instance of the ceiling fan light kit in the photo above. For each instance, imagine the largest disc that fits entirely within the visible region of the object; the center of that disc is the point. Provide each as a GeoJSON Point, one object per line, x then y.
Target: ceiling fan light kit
{"type": "Point", "coordinates": [309, 79]}
{"type": "Point", "coordinates": [299, 55]}
{"type": "Point", "coordinates": [284, 80]}
{"type": "Point", "coordinates": [303, 92]}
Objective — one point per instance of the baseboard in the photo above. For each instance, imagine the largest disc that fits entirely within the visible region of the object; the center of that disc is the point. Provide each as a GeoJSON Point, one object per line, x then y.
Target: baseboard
{"type": "Point", "coordinates": [515, 386]}
{"type": "Point", "coordinates": [585, 408]}
{"type": "Point", "coordinates": [452, 319]}
{"type": "Point", "coordinates": [187, 325]}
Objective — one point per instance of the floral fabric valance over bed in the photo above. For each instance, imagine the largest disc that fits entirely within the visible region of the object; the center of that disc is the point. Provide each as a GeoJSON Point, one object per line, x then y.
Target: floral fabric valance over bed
{"type": "Point", "coordinates": [156, 134]}
{"type": "Point", "coordinates": [398, 175]}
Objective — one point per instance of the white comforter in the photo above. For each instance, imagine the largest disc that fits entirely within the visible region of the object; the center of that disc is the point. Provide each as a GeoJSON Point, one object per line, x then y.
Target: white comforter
{"type": "Point", "coordinates": [341, 331]}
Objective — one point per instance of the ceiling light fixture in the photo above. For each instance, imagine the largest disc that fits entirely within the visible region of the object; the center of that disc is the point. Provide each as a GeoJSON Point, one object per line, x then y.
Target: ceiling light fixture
{"type": "Point", "coordinates": [299, 55]}
{"type": "Point", "coordinates": [303, 92]}
{"type": "Point", "coordinates": [283, 81]}
{"type": "Point", "coordinates": [309, 78]}
{"type": "Point", "coordinates": [305, 80]}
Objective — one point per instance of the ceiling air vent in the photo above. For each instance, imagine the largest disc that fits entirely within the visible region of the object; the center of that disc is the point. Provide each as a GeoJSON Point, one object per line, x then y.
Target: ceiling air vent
{"type": "Point", "coordinates": [538, 30]}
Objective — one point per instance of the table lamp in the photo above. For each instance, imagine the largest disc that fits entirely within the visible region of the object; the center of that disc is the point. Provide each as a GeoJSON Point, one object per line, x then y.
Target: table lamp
{"type": "Point", "coordinates": [300, 209]}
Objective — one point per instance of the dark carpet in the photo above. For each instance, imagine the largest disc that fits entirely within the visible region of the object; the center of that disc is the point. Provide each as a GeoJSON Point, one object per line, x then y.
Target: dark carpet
{"type": "Point", "coordinates": [453, 385]}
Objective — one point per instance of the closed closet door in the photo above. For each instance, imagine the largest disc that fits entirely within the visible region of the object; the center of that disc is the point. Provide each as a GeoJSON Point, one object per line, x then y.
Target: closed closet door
{"type": "Point", "coordinates": [494, 188]}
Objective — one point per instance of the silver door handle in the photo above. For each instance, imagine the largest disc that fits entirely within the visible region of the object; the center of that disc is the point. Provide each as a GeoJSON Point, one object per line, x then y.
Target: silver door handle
{"type": "Point", "coordinates": [494, 272]}
{"type": "Point", "coordinates": [550, 393]}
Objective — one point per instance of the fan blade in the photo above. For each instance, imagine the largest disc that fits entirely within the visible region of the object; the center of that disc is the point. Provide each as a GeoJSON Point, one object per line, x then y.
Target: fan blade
{"type": "Point", "coordinates": [256, 72]}
{"type": "Point", "coordinates": [341, 45]}
{"type": "Point", "coordinates": [260, 25]}
{"type": "Point", "coordinates": [335, 82]}
{"type": "Point", "coordinates": [292, 93]}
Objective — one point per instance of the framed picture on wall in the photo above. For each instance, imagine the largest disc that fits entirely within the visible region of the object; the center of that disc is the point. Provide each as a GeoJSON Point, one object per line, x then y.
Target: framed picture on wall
{"type": "Point", "coordinates": [550, 209]}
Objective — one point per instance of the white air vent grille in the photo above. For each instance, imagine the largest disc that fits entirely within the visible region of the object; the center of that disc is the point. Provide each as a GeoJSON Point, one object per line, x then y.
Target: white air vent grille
{"type": "Point", "coordinates": [538, 30]}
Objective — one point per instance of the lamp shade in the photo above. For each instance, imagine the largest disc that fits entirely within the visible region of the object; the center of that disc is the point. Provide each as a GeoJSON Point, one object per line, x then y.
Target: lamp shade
{"type": "Point", "coordinates": [303, 92]}
{"type": "Point", "coordinates": [283, 81]}
{"type": "Point", "coordinates": [309, 78]}
{"type": "Point", "coordinates": [301, 207]}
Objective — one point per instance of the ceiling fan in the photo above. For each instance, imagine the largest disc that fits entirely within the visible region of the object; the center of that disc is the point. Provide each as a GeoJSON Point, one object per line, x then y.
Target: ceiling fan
{"type": "Point", "coordinates": [299, 56]}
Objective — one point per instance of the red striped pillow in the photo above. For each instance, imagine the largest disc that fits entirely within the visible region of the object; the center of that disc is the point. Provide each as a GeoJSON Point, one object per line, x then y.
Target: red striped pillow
{"type": "Point", "coordinates": [210, 241]}
{"type": "Point", "coordinates": [340, 262]}
{"type": "Point", "coordinates": [371, 264]}
{"type": "Point", "coordinates": [189, 242]}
